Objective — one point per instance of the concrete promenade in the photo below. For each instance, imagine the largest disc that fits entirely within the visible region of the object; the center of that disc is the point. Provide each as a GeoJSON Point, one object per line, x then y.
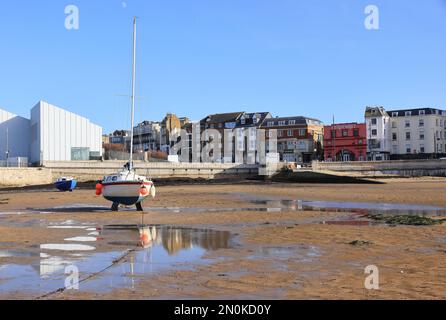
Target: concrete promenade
{"type": "Point", "coordinates": [402, 168]}
{"type": "Point", "coordinates": [94, 170]}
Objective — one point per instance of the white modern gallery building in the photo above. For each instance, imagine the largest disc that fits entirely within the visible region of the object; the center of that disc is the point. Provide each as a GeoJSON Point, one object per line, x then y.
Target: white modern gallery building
{"type": "Point", "coordinates": [51, 134]}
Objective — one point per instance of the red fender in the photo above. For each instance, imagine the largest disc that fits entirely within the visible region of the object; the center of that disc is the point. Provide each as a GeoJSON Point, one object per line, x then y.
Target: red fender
{"type": "Point", "coordinates": [99, 189]}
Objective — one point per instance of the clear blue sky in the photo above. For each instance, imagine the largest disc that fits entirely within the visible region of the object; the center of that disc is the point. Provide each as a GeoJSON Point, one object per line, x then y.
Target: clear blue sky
{"type": "Point", "coordinates": [196, 57]}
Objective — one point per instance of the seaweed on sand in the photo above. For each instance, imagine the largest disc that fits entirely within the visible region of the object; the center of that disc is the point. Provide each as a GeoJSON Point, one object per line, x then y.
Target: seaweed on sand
{"type": "Point", "coordinates": [408, 220]}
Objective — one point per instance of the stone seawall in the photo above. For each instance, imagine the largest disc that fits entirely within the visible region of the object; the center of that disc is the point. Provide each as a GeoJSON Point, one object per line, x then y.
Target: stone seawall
{"type": "Point", "coordinates": [405, 168]}
{"type": "Point", "coordinates": [87, 171]}
{"type": "Point", "coordinates": [20, 177]}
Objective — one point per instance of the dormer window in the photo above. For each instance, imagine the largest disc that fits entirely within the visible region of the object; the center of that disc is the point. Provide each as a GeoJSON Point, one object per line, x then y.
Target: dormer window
{"type": "Point", "coordinates": [394, 114]}
{"type": "Point", "coordinates": [242, 120]}
{"type": "Point", "coordinates": [422, 112]}
{"type": "Point", "coordinates": [408, 113]}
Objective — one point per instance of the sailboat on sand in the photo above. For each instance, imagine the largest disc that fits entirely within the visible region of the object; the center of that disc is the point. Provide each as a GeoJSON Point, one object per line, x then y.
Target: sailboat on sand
{"type": "Point", "coordinates": [126, 187]}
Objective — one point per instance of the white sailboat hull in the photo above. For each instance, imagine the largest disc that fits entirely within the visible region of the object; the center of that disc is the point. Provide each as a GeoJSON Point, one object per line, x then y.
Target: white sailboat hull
{"type": "Point", "coordinates": [128, 192]}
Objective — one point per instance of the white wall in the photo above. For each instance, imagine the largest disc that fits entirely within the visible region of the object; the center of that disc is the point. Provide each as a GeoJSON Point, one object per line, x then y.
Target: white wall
{"type": "Point", "coordinates": [59, 131]}
{"type": "Point", "coordinates": [430, 130]}
{"type": "Point", "coordinates": [18, 131]}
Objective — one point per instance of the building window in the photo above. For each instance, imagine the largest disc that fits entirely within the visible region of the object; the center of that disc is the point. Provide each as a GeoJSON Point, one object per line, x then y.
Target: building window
{"type": "Point", "coordinates": [422, 148]}
{"type": "Point", "coordinates": [421, 135]}
{"type": "Point", "coordinates": [408, 149]}
{"type": "Point", "coordinates": [394, 136]}
{"type": "Point", "coordinates": [356, 132]}
{"type": "Point", "coordinates": [393, 124]}
{"type": "Point", "coordinates": [282, 123]}
{"type": "Point", "coordinates": [394, 114]}
{"type": "Point", "coordinates": [422, 112]}
{"type": "Point", "coordinates": [292, 122]}
{"type": "Point", "coordinates": [345, 133]}
{"type": "Point", "coordinates": [407, 136]}
{"type": "Point", "coordinates": [270, 124]}
{"type": "Point", "coordinates": [421, 123]}
{"type": "Point", "coordinates": [436, 122]}
{"type": "Point", "coordinates": [374, 121]}
{"type": "Point", "coordinates": [279, 133]}
{"type": "Point", "coordinates": [408, 113]}
{"type": "Point", "coordinates": [407, 124]}
{"type": "Point", "coordinates": [290, 133]}
{"type": "Point", "coordinates": [333, 133]}
{"type": "Point", "coordinates": [374, 132]}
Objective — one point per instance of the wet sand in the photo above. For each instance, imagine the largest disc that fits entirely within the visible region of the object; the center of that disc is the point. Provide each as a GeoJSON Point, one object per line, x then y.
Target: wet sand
{"type": "Point", "coordinates": [276, 254]}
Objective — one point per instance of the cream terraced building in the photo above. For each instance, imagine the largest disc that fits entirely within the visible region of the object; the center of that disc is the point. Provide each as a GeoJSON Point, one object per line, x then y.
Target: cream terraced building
{"type": "Point", "coordinates": [417, 131]}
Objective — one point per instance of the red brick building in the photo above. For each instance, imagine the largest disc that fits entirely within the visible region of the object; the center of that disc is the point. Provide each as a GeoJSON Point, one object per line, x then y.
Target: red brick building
{"type": "Point", "coordinates": [345, 142]}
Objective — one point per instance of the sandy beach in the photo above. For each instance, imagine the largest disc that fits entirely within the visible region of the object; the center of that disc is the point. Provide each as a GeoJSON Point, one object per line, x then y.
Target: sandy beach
{"type": "Point", "coordinates": [250, 240]}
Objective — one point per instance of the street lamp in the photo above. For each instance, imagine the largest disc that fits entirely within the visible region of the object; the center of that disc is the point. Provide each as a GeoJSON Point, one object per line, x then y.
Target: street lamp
{"type": "Point", "coordinates": [436, 139]}
{"type": "Point", "coordinates": [7, 146]}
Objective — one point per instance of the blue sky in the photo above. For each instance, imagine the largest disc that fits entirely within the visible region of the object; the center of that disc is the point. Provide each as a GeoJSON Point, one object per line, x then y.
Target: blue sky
{"type": "Point", "coordinates": [196, 57]}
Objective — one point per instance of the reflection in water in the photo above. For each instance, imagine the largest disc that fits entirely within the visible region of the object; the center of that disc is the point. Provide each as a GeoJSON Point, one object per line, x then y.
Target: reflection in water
{"type": "Point", "coordinates": [353, 207]}
{"type": "Point", "coordinates": [120, 253]}
{"type": "Point", "coordinates": [258, 204]}
{"type": "Point", "coordinates": [67, 247]}
{"type": "Point", "coordinates": [172, 239]}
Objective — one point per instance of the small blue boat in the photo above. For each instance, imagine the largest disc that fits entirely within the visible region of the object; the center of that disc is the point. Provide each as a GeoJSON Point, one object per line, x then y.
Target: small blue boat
{"type": "Point", "coordinates": [66, 184]}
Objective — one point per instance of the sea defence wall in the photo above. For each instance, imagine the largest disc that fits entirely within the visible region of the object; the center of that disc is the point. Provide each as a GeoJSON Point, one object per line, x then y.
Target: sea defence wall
{"type": "Point", "coordinates": [95, 170]}
{"type": "Point", "coordinates": [404, 168]}
{"type": "Point", "coordinates": [19, 177]}
{"type": "Point", "coordinates": [85, 171]}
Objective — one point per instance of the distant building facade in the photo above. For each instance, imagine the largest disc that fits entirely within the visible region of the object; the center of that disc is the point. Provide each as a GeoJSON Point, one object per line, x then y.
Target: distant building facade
{"type": "Point", "coordinates": [169, 129]}
{"type": "Point", "coordinates": [378, 134]}
{"type": "Point", "coordinates": [299, 139]}
{"type": "Point", "coordinates": [417, 132]}
{"type": "Point", "coordinates": [345, 142]}
{"type": "Point", "coordinates": [146, 136]}
{"type": "Point", "coordinates": [14, 136]}
{"type": "Point", "coordinates": [246, 137]}
{"type": "Point", "coordinates": [59, 135]}
{"type": "Point", "coordinates": [116, 146]}
{"type": "Point", "coordinates": [51, 134]}
{"type": "Point", "coordinates": [218, 123]}
{"type": "Point", "coordinates": [233, 135]}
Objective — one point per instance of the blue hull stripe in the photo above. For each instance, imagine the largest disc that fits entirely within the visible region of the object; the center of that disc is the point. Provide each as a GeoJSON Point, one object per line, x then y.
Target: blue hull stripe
{"type": "Point", "coordinates": [128, 201]}
{"type": "Point", "coordinates": [66, 185]}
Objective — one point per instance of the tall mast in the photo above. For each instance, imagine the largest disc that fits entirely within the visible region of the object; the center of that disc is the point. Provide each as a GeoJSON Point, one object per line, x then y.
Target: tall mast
{"type": "Point", "coordinates": [133, 94]}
